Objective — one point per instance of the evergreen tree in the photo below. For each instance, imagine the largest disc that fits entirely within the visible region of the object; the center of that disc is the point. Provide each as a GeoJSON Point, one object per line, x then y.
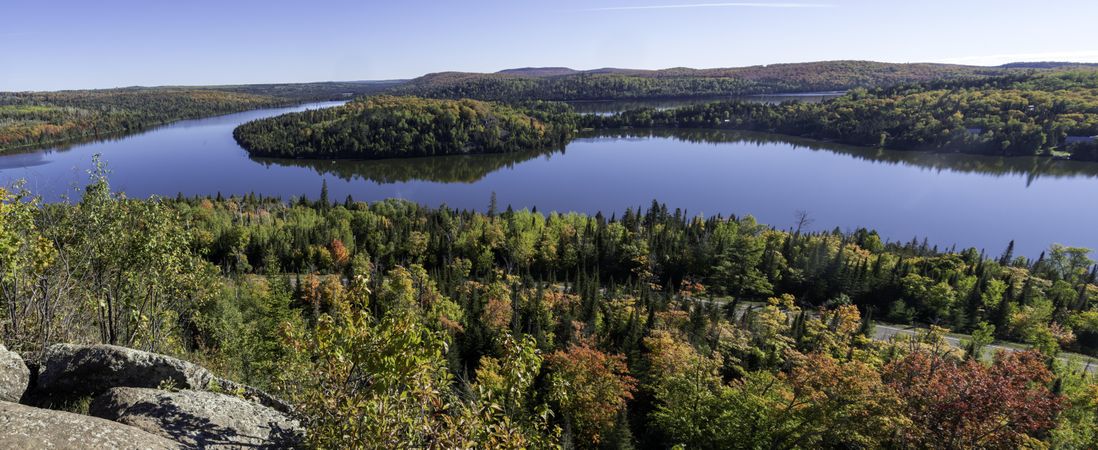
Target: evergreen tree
{"type": "Point", "coordinates": [1008, 255]}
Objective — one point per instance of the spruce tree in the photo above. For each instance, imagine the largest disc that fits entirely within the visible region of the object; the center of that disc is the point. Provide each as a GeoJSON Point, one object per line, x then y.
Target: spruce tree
{"type": "Point", "coordinates": [1008, 255]}
{"type": "Point", "coordinates": [324, 203]}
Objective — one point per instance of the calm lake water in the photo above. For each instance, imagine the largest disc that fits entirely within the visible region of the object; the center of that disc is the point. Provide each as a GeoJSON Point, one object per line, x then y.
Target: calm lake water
{"type": "Point", "coordinates": [950, 199]}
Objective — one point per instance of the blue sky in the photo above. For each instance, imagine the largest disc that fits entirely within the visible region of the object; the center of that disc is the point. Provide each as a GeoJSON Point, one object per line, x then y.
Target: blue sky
{"type": "Point", "coordinates": [66, 44]}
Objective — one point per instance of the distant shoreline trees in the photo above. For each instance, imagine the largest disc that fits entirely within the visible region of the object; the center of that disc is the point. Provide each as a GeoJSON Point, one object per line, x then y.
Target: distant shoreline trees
{"type": "Point", "coordinates": [1025, 115]}
{"type": "Point", "coordinates": [1051, 115]}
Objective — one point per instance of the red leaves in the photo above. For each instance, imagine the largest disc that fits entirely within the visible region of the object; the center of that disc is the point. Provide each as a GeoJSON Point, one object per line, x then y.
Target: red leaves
{"type": "Point", "coordinates": [591, 387]}
{"type": "Point", "coordinates": [968, 405]}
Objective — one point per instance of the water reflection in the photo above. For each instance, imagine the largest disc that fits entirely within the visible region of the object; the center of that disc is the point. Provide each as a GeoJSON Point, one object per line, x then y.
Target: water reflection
{"type": "Point", "coordinates": [439, 169]}
{"type": "Point", "coordinates": [473, 168]}
{"type": "Point", "coordinates": [1032, 168]}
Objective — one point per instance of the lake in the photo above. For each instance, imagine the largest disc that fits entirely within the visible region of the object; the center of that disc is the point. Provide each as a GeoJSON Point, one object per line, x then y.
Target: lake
{"type": "Point", "coordinates": [949, 199]}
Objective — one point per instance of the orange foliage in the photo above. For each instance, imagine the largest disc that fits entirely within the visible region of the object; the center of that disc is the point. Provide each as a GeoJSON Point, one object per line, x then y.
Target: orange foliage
{"type": "Point", "coordinates": [591, 387]}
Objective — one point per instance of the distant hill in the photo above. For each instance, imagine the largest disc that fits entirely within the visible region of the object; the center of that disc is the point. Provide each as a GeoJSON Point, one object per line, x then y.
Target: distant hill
{"type": "Point", "coordinates": [326, 90]}
{"type": "Point", "coordinates": [539, 71]}
{"type": "Point", "coordinates": [1046, 65]}
{"type": "Point", "coordinates": [561, 83]}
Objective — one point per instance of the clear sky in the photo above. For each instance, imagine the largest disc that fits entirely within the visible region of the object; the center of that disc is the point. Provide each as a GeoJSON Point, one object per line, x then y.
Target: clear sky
{"type": "Point", "coordinates": [65, 44]}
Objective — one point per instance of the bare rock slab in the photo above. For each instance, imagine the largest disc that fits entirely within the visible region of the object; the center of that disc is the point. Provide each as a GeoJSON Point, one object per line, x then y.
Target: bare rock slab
{"type": "Point", "coordinates": [199, 419]}
{"type": "Point", "coordinates": [29, 428]}
{"type": "Point", "coordinates": [69, 370]}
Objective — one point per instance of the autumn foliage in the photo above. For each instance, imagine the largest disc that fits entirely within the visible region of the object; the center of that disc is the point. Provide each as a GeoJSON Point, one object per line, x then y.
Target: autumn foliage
{"type": "Point", "coordinates": [967, 404]}
{"type": "Point", "coordinates": [591, 387]}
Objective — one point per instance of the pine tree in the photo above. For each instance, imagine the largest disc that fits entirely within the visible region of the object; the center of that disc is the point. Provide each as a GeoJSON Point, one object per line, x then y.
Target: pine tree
{"type": "Point", "coordinates": [324, 202]}
{"type": "Point", "coordinates": [1008, 255]}
{"type": "Point", "coordinates": [1027, 291]}
{"type": "Point", "coordinates": [868, 326]}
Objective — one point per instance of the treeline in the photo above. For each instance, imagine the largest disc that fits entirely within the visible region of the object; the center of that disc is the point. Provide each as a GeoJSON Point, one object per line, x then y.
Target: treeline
{"type": "Point", "coordinates": [731, 257]}
{"type": "Point", "coordinates": [312, 92]}
{"type": "Point", "coordinates": [31, 119]}
{"type": "Point", "coordinates": [1029, 115]}
{"type": "Point", "coordinates": [616, 84]}
{"type": "Point", "coordinates": [391, 324]}
{"type": "Point", "coordinates": [510, 88]}
{"type": "Point", "coordinates": [390, 127]}
{"type": "Point", "coordinates": [36, 119]}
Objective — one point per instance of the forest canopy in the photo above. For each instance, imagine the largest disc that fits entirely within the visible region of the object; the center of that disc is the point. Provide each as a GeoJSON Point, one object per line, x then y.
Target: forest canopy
{"type": "Point", "coordinates": [387, 127]}
{"type": "Point", "coordinates": [614, 84]}
{"type": "Point", "coordinates": [1011, 116]}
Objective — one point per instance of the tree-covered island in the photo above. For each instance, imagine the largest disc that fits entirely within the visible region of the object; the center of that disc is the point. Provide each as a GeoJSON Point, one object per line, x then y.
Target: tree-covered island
{"type": "Point", "coordinates": [393, 127]}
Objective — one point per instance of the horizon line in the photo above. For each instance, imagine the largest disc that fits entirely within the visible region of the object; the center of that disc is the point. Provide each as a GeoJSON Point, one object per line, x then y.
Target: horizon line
{"type": "Point", "coordinates": [714, 5]}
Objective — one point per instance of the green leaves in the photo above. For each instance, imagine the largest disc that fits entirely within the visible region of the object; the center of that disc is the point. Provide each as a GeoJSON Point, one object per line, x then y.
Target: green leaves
{"type": "Point", "coordinates": [389, 127]}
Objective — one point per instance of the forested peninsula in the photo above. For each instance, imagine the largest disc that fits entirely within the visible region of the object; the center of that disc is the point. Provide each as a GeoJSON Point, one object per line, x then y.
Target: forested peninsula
{"type": "Point", "coordinates": [393, 127]}
{"type": "Point", "coordinates": [38, 119]}
{"type": "Point", "coordinates": [1049, 114]}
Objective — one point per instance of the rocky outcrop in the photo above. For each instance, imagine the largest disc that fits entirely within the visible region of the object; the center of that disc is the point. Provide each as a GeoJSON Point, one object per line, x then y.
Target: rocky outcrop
{"type": "Point", "coordinates": [199, 419]}
{"type": "Point", "coordinates": [141, 400]}
{"type": "Point", "coordinates": [25, 427]}
{"type": "Point", "coordinates": [93, 369]}
{"type": "Point", "coordinates": [14, 376]}
{"type": "Point", "coordinates": [78, 370]}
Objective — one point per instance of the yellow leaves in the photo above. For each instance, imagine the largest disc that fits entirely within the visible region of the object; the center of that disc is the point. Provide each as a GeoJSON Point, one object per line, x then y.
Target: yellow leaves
{"type": "Point", "coordinates": [22, 247]}
{"type": "Point", "coordinates": [669, 355]}
{"type": "Point", "coordinates": [835, 331]}
{"type": "Point", "coordinates": [591, 387]}
{"type": "Point", "coordinates": [674, 319]}
{"type": "Point", "coordinates": [785, 302]}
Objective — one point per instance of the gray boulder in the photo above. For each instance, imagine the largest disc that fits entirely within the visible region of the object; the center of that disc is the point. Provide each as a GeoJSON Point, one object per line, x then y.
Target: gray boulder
{"type": "Point", "coordinates": [75, 370]}
{"type": "Point", "coordinates": [25, 427]}
{"type": "Point", "coordinates": [14, 376]}
{"type": "Point", "coordinates": [199, 419]}
{"type": "Point", "coordinates": [92, 369]}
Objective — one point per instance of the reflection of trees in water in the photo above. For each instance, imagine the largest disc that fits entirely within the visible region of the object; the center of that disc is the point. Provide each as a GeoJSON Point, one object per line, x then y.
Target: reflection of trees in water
{"type": "Point", "coordinates": [444, 169]}
{"type": "Point", "coordinates": [473, 168]}
{"type": "Point", "coordinates": [69, 144]}
{"type": "Point", "coordinates": [1032, 167]}
{"type": "Point", "coordinates": [616, 106]}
